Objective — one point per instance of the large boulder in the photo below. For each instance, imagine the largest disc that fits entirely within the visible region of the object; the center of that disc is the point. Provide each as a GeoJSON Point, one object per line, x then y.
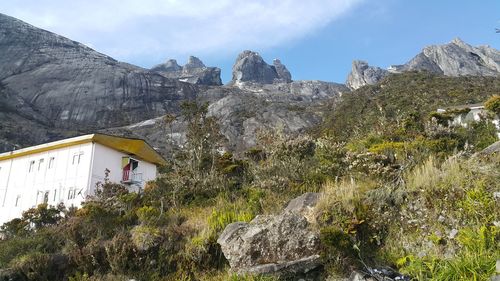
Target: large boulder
{"type": "Point", "coordinates": [286, 244]}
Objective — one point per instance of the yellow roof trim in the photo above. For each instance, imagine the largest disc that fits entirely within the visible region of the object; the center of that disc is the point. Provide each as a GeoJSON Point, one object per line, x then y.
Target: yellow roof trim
{"type": "Point", "coordinates": [136, 147]}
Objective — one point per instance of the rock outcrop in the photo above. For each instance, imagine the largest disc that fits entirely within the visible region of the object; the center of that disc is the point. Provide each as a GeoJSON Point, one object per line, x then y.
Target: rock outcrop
{"type": "Point", "coordinates": [194, 72]}
{"type": "Point", "coordinates": [75, 87]}
{"type": "Point", "coordinates": [456, 58]}
{"type": "Point", "coordinates": [363, 74]}
{"type": "Point", "coordinates": [283, 245]}
{"type": "Point", "coordinates": [245, 110]}
{"type": "Point", "coordinates": [283, 74]}
{"type": "Point", "coordinates": [251, 67]}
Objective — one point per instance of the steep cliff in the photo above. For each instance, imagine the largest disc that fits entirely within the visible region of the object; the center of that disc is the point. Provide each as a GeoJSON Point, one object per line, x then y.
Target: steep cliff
{"type": "Point", "coordinates": [72, 85]}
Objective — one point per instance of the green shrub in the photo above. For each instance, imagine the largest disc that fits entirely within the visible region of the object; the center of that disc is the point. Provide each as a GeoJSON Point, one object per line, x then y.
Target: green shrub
{"type": "Point", "coordinates": [475, 261]}
{"type": "Point", "coordinates": [40, 267]}
{"type": "Point", "coordinates": [493, 104]}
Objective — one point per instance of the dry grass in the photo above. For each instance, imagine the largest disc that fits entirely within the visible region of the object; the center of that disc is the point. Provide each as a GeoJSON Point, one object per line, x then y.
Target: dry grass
{"type": "Point", "coordinates": [430, 175]}
{"type": "Point", "coordinates": [344, 193]}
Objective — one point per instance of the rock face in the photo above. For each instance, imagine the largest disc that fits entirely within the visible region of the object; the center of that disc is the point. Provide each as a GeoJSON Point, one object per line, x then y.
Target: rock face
{"type": "Point", "coordinates": [52, 87]}
{"type": "Point", "coordinates": [250, 67]}
{"type": "Point", "coordinates": [194, 72]}
{"type": "Point", "coordinates": [283, 73]}
{"type": "Point", "coordinates": [456, 58]}
{"type": "Point", "coordinates": [284, 245]}
{"type": "Point", "coordinates": [75, 87]}
{"type": "Point", "coordinates": [363, 74]}
{"type": "Point", "coordinates": [169, 66]}
{"type": "Point", "coordinates": [245, 110]}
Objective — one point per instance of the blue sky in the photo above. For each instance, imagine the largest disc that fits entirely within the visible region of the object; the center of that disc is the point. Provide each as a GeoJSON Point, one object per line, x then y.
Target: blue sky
{"type": "Point", "coordinates": [316, 39]}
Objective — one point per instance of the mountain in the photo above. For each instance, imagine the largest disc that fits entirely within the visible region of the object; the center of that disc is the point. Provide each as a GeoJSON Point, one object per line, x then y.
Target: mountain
{"type": "Point", "coordinates": [250, 67]}
{"type": "Point", "coordinates": [57, 87]}
{"type": "Point", "coordinates": [456, 58]}
{"type": "Point", "coordinates": [364, 74]}
{"type": "Point", "coordinates": [72, 85]}
{"type": "Point", "coordinates": [194, 72]}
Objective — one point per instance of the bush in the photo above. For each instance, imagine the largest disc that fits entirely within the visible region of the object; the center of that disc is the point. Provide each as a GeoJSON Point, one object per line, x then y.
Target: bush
{"type": "Point", "coordinates": [475, 261]}
{"type": "Point", "coordinates": [493, 104]}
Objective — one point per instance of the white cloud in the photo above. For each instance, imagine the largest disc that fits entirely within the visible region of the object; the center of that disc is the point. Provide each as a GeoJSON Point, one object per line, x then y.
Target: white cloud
{"type": "Point", "coordinates": [130, 29]}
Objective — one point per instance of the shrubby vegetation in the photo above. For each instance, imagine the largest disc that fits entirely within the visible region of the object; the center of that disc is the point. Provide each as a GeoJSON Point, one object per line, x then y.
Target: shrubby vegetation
{"type": "Point", "coordinates": [400, 189]}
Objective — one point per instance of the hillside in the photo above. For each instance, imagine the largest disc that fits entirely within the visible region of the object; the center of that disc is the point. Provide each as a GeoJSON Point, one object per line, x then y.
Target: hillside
{"type": "Point", "coordinates": [384, 106]}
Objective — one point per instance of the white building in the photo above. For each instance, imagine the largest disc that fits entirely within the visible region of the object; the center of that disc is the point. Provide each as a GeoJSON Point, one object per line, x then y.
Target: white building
{"type": "Point", "coordinates": [465, 114]}
{"type": "Point", "coordinates": [68, 170]}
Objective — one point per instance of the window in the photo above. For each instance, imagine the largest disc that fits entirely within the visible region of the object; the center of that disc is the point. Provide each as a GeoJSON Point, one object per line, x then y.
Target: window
{"type": "Point", "coordinates": [77, 158]}
{"type": "Point", "coordinates": [71, 194]}
{"type": "Point", "coordinates": [32, 166]}
{"type": "Point", "coordinates": [51, 162]}
{"type": "Point", "coordinates": [46, 197]}
{"type": "Point", "coordinates": [40, 163]}
{"type": "Point", "coordinates": [55, 193]}
{"type": "Point", "coordinates": [18, 200]}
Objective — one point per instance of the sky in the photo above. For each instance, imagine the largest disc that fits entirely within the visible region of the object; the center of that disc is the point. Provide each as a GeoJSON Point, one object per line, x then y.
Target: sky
{"type": "Point", "coordinates": [316, 39]}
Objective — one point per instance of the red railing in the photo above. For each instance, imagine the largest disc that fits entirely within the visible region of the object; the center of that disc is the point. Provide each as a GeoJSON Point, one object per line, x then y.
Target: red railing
{"type": "Point", "coordinates": [126, 176]}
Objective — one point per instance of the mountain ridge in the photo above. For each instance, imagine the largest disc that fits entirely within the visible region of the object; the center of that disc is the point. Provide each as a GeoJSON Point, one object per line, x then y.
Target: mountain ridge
{"type": "Point", "coordinates": [61, 88]}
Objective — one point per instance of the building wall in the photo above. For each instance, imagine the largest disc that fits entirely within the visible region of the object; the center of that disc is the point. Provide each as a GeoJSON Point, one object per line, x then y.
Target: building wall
{"type": "Point", "coordinates": [69, 178]}
{"type": "Point", "coordinates": [107, 158]}
{"type": "Point", "coordinates": [61, 175]}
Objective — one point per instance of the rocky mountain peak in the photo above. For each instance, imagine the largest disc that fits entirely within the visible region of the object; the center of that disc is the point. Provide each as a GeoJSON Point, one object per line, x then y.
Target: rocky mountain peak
{"type": "Point", "coordinates": [194, 62]}
{"type": "Point", "coordinates": [194, 72]}
{"type": "Point", "coordinates": [363, 74]}
{"type": "Point", "coordinates": [459, 42]}
{"type": "Point", "coordinates": [169, 66]}
{"type": "Point", "coordinates": [251, 67]}
{"type": "Point", "coordinates": [282, 71]}
{"type": "Point", "coordinates": [456, 58]}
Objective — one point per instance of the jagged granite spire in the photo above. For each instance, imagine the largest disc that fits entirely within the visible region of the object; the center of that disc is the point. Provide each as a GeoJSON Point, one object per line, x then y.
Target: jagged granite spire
{"type": "Point", "coordinates": [363, 74]}
{"type": "Point", "coordinates": [251, 67]}
{"type": "Point", "coordinates": [194, 72]}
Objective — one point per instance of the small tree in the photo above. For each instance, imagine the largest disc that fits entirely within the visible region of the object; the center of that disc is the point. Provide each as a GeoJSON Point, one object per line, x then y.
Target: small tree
{"type": "Point", "coordinates": [203, 137]}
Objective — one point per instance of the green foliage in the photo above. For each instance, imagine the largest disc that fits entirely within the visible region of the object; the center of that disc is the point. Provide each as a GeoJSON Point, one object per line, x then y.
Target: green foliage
{"type": "Point", "coordinates": [475, 261]}
{"type": "Point", "coordinates": [493, 104]}
{"type": "Point", "coordinates": [394, 184]}
{"type": "Point", "coordinates": [336, 242]}
{"type": "Point", "coordinates": [389, 106]}
{"type": "Point", "coordinates": [40, 267]}
{"type": "Point", "coordinates": [148, 215]}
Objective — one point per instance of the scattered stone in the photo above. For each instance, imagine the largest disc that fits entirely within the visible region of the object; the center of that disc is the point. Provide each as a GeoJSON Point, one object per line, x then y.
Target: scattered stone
{"type": "Point", "coordinates": [453, 233]}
